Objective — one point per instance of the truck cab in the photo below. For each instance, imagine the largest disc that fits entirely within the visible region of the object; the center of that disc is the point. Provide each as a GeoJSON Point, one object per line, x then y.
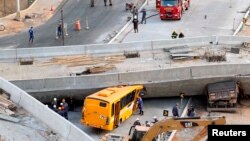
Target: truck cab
{"type": "Point", "coordinates": [173, 9]}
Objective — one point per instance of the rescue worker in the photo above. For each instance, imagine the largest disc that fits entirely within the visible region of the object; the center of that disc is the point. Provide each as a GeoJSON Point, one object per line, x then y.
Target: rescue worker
{"type": "Point", "coordinates": [135, 22]}
{"type": "Point", "coordinates": [135, 11]}
{"type": "Point", "coordinates": [175, 110]}
{"type": "Point", "coordinates": [191, 112]}
{"type": "Point", "coordinates": [140, 105]}
{"type": "Point", "coordinates": [181, 35]}
{"type": "Point", "coordinates": [174, 35]}
{"type": "Point", "coordinates": [60, 111]}
{"type": "Point", "coordinates": [155, 119]}
{"type": "Point", "coordinates": [137, 122]}
{"type": "Point", "coordinates": [66, 108]}
{"type": "Point", "coordinates": [147, 124]}
{"type": "Point", "coordinates": [54, 103]}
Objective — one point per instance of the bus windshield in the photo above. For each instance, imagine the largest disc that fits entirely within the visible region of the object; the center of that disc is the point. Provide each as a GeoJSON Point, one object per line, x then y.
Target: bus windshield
{"type": "Point", "coordinates": [168, 2]}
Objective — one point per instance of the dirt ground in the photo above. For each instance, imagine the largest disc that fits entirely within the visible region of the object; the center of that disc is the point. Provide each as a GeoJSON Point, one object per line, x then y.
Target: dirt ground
{"type": "Point", "coordinates": [38, 13]}
{"type": "Point", "coordinates": [241, 116]}
{"type": "Point", "coordinates": [9, 6]}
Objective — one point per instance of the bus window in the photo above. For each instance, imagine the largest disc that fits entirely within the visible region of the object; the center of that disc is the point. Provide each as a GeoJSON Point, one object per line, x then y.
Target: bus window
{"type": "Point", "coordinates": [112, 111]}
{"type": "Point", "coordinates": [102, 104]}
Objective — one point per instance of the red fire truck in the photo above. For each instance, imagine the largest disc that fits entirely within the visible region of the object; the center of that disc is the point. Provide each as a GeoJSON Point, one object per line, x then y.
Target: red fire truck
{"type": "Point", "coordinates": [173, 9]}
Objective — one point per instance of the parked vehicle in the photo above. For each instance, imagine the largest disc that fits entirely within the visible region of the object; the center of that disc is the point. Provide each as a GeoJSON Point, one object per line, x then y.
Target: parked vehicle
{"type": "Point", "coordinates": [108, 108]}
{"type": "Point", "coordinates": [222, 96]}
{"type": "Point", "coordinates": [173, 9]}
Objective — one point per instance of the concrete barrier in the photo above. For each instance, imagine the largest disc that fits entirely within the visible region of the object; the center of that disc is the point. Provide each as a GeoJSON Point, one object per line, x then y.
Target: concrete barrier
{"type": "Point", "coordinates": [8, 54]}
{"type": "Point", "coordinates": [117, 48]}
{"type": "Point", "coordinates": [190, 41]}
{"type": "Point", "coordinates": [220, 70]}
{"type": "Point", "coordinates": [155, 75]}
{"type": "Point", "coordinates": [159, 80]}
{"type": "Point", "coordinates": [232, 40]}
{"type": "Point", "coordinates": [51, 119]}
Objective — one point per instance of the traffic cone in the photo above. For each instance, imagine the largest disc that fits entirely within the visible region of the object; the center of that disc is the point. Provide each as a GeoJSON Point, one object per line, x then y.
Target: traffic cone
{"type": "Point", "coordinates": [77, 25]}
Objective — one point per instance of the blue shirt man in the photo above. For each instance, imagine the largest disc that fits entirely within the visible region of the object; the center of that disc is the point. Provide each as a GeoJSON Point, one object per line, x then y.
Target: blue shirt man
{"type": "Point", "coordinates": [31, 35]}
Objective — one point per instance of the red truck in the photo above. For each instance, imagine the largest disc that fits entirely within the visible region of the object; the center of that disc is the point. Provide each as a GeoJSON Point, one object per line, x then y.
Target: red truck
{"type": "Point", "coordinates": [173, 9]}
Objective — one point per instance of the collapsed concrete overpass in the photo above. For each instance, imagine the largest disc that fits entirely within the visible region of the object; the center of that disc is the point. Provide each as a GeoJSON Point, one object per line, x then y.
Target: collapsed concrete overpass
{"type": "Point", "coordinates": [159, 82]}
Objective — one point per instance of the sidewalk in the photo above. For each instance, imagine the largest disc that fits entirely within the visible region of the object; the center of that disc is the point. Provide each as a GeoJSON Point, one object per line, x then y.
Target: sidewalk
{"type": "Point", "coordinates": [40, 11]}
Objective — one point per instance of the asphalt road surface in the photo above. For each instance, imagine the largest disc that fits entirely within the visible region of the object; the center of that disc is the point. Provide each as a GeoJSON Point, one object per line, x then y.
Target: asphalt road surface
{"type": "Point", "coordinates": [203, 18]}
{"type": "Point", "coordinates": [102, 21]}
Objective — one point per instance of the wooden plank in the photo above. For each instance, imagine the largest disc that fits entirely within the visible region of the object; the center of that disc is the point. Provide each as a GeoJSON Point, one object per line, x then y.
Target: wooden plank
{"type": "Point", "coordinates": [9, 118]}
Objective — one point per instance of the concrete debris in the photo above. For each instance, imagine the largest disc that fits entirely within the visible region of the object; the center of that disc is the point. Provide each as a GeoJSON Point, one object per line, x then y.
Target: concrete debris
{"type": "Point", "coordinates": [181, 53]}
{"type": "Point", "coordinates": [131, 54]}
{"type": "Point", "coordinates": [9, 118]}
{"type": "Point", "coordinates": [215, 55]}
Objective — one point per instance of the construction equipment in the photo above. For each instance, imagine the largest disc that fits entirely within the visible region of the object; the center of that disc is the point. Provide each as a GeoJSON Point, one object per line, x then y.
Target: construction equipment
{"type": "Point", "coordinates": [222, 96]}
{"type": "Point", "coordinates": [143, 133]}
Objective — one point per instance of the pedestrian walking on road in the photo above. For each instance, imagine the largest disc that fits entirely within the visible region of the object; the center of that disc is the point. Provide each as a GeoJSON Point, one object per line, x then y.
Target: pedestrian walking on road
{"type": "Point", "coordinates": [59, 30]}
{"type": "Point", "coordinates": [135, 22]}
{"type": "Point", "coordinates": [31, 35]}
{"type": "Point", "coordinates": [175, 110]}
{"type": "Point", "coordinates": [143, 16]}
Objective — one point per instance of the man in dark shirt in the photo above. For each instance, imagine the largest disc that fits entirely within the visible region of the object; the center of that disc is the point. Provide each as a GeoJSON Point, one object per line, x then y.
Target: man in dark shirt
{"type": "Point", "coordinates": [175, 110]}
{"type": "Point", "coordinates": [31, 35]}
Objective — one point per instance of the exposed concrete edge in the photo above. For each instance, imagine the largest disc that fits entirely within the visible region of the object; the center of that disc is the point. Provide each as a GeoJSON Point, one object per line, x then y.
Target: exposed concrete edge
{"type": "Point", "coordinates": [182, 115]}
{"type": "Point", "coordinates": [21, 10]}
{"type": "Point", "coordinates": [126, 25]}
{"type": "Point", "coordinates": [241, 23]}
{"type": "Point", "coordinates": [93, 49]}
{"type": "Point", "coordinates": [34, 107]}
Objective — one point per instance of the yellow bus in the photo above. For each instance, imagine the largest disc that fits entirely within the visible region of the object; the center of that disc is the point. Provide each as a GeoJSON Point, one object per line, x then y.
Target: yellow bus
{"type": "Point", "coordinates": [109, 107]}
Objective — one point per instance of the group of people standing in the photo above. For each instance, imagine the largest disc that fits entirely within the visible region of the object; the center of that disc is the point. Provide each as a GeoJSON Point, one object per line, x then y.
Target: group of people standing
{"type": "Point", "coordinates": [61, 108]}
{"type": "Point", "coordinates": [190, 111]}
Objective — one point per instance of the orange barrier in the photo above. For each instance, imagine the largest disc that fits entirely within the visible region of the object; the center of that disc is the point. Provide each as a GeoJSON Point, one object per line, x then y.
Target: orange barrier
{"type": "Point", "coordinates": [77, 25]}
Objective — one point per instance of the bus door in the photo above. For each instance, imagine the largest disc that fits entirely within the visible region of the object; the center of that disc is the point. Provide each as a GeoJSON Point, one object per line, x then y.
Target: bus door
{"type": "Point", "coordinates": [117, 113]}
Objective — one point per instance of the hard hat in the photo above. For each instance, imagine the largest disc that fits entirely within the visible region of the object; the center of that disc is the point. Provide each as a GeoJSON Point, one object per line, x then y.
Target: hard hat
{"type": "Point", "coordinates": [155, 117]}
{"type": "Point", "coordinates": [59, 108]}
{"type": "Point", "coordinates": [61, 104]}
{"type": "Point", "coordinates": [137, 119]}
{"type": "Point", "coordinates": [55, 99]}
{"type": "Point", "coordinates": [54, 106]}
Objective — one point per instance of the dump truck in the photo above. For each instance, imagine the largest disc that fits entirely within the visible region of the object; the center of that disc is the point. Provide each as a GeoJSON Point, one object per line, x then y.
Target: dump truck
{"type": "Point", "coordinates": [222, 96]}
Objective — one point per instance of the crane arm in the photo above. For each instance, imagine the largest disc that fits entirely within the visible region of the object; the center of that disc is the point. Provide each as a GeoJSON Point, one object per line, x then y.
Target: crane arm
{"type": "Point", "coordinates": [166, 125]}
